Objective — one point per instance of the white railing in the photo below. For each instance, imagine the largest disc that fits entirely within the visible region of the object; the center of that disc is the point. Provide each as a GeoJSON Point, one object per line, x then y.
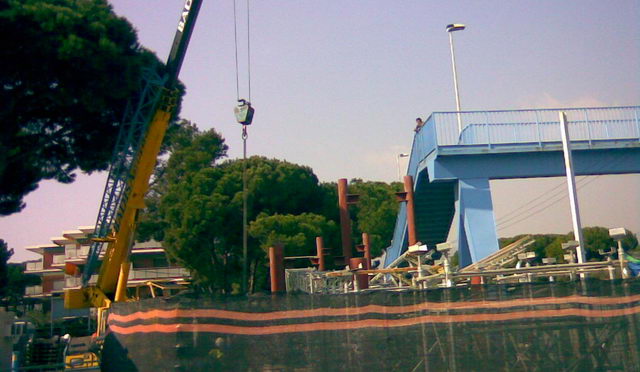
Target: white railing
{"type": "Point", "coordinates": [158, 273]}
{"type": "Point", "coordinates": [76, 253]}
{"type": "Point", "coordinates": [72, 281]}
{"type": "Point", "coordinates": [35, 266]}
{"type": "Point", "coordinates": [84, 250]}
{"type": "Point", "coordinates": [136, 274]}
{"type": "Point", "coordinates": [58, 285]}
{"type": "Point", "coordinates": [70, 252]}
{"type": "Point", "coordinates": [58, 259]}
{"type": "Point", "coordinates": [33, 290]}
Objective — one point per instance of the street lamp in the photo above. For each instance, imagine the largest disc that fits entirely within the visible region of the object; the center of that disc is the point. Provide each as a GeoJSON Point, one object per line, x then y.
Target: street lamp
{"type": "Point", "coordinates": [403, 155]}
{"type": "Point", "coordinates": [451, 29]}
{"type": "Point", "coordinates": [618, 234]}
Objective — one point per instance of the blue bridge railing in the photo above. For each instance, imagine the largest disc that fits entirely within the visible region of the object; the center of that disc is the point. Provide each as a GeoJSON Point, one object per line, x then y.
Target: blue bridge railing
{"type": "Point", "coordinates": [535, 126]}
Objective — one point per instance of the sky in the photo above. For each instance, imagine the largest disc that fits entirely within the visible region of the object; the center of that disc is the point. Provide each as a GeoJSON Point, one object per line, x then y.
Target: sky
{"type": "Point", "coordinates": [337, 86]}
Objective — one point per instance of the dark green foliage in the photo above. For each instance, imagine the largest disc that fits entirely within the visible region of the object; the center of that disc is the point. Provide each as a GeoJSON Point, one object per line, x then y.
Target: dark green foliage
{"type": "Point", "coordinates": [13, 281]}
{"type": "Point", "coordinates": [375, 213]}
{"type": "Point", "coordinates": [202, 211]}
{"type": "Point", "coordinates": [297, 233]}
{"type": "Point", "coordinates": [195, 208]}
{"type": "Point", "coordinates": [5, 254]}
{"type": "Point", "coordinates": [191, 151]}
{"type": "Point", "coordinates": [68, 69]}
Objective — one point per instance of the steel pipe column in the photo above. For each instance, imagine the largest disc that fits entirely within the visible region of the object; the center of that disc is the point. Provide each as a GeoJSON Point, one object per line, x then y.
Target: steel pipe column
{"type": "Point", "coordinates": [276, 269]}
{"type": "Point", "coordinates": [345, 220]}
{"type": "Point", "coordinates": [320, 253]}
{"type": "Point", "coordinates": [411, 215]}
{"type": "Point", "coordinates": [367, 249]}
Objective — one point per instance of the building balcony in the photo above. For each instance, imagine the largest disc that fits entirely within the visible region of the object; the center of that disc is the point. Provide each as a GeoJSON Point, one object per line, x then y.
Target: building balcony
{"type": "Point", "coordinates": [74, 282]}
{"type": "Point", "coordinates": [58, 260]}
{"type": "Point", "coordinates": [158, 273]}
{"type": "Point", "coordinates": [79, 255]}
{"type": "Point", "coordinates": [34, 267]}
{"type": "Point", "coordinates": [33, 291]}
{"type": "Point", "coordinates": [58, 286]}
{"type": "Point", "coordinates": [37, 267]}
{"type": "Point", "coordinates": [136, 276]}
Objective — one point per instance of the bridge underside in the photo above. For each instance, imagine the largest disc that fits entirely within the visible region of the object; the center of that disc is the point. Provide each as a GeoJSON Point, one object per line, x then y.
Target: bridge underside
{"type": "Point", "coordinates": [461, 182]}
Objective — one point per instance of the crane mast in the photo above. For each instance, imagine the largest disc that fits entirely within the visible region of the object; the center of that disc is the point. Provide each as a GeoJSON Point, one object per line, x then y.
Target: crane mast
{"type": "Point", "coordinates": [137, 147]}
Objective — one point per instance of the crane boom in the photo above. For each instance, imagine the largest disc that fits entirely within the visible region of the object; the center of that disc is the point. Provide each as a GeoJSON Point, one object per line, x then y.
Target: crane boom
{"type": "Point", "coordinates": [134, 159]}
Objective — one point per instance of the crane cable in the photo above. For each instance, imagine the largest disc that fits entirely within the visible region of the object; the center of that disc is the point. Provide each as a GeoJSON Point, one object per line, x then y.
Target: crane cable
{"type": "Point", "coordinates": [245, 135]}
{"type": "Point", "coordinates": [235, 40]}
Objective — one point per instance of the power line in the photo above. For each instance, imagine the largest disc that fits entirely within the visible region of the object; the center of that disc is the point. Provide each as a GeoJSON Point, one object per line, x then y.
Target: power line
{"type": "Point", "coordinates": [544, 206]}
{"type": "Point", "coordinates": [582, 182]}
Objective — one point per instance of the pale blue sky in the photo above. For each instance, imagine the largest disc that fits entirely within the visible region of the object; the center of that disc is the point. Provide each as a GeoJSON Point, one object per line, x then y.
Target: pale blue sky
{"type": "Point", "coordinates": [337, 86]}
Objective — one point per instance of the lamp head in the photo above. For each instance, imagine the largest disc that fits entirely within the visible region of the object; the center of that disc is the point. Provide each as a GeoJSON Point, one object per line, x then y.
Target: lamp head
{"type": "Point", "coordinates": [455, 27]}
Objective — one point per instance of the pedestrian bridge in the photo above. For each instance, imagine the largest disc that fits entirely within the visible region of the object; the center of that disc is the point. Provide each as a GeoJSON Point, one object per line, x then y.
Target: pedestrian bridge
{"type": "Point", "coordinates": [451, 168]}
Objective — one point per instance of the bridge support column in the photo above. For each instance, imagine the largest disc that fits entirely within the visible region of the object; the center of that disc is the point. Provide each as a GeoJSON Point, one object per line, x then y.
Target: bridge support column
{"type": "Point", "coordinates": [477, 236]}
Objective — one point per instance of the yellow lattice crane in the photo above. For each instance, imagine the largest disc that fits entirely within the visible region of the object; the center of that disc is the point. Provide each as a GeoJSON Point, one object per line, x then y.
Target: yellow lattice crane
{"type": "Point", "coordinates": [134, 159]}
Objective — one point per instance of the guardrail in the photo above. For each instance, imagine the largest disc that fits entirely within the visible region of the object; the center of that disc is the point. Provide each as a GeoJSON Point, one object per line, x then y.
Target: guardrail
{"type": "Point", "coordinates": [78, 253]}
{"type": "Point", "coordinates": [72, 281]}
{"type": "Point", "coordinates": [158, 273]}
{"type": "Point", "coordinates": [33, 290]}
{"type": "Point", "coordinates": [58, 259]}
{"type": "Point", "coordinates": [59, 285]}
{"type": "Point", "coordinates": [34, 266]}
{"type": "Point", "coordinates": [535, 126]}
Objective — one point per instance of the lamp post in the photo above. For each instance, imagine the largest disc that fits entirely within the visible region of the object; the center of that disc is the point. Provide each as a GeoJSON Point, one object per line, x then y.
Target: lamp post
{"type": "Point", "coordinates": [402, 155]}
{"type": "Point", "coordinates": [451, 29]}
{"type": "Point", "coordinates": [618, 234]}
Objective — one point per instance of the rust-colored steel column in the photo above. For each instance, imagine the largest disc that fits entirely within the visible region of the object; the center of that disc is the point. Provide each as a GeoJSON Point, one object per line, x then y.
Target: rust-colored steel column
{"type": "Point", "coordinates": [276, 268]}
{"type": "Point", "coordinates": [320, 250]}
{"type": "Point", "coordinates": [345, 220]}
{"type": "Point", "coordinates": [362, 279]}
{"type": "Point", "coordinates": [411, 216]}
{"type": "Point", "coordinates": [367, 249]}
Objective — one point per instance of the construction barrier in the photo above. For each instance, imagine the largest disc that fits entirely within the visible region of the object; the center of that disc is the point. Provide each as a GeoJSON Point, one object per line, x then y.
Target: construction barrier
{"type": "Point", "coordinates": [558, 326]}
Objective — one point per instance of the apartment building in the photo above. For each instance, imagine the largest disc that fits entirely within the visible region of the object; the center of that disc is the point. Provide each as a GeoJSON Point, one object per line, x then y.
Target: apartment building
{"type": "Point", "coordinates": [148, 264]}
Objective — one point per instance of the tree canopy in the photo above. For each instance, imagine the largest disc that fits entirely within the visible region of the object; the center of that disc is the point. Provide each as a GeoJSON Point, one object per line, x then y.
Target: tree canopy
{"type": "Point", "coordinates": [68, 69]}
{"type": "Point", "coordinates": [195, 208]}
{"type": "Point", "coordinates": [376, 212]}
{"type": "Point", "coordinates": [5, 254]}
{"type": "Point", "coordinates": [296, 233]}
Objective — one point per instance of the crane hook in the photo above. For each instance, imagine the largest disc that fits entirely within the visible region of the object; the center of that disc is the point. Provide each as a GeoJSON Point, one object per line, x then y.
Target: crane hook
{"type": "Point", "coordinates": [244, 112]}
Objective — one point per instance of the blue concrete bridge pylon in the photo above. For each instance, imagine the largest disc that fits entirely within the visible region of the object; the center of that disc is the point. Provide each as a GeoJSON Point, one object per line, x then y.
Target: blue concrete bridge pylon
{"type": "Point", "coordinates": [451, 170]}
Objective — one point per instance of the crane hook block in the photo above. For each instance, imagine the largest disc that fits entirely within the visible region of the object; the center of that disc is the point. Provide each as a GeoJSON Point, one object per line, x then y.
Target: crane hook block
{"type": "Point", "coordinates": [244, 112]}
